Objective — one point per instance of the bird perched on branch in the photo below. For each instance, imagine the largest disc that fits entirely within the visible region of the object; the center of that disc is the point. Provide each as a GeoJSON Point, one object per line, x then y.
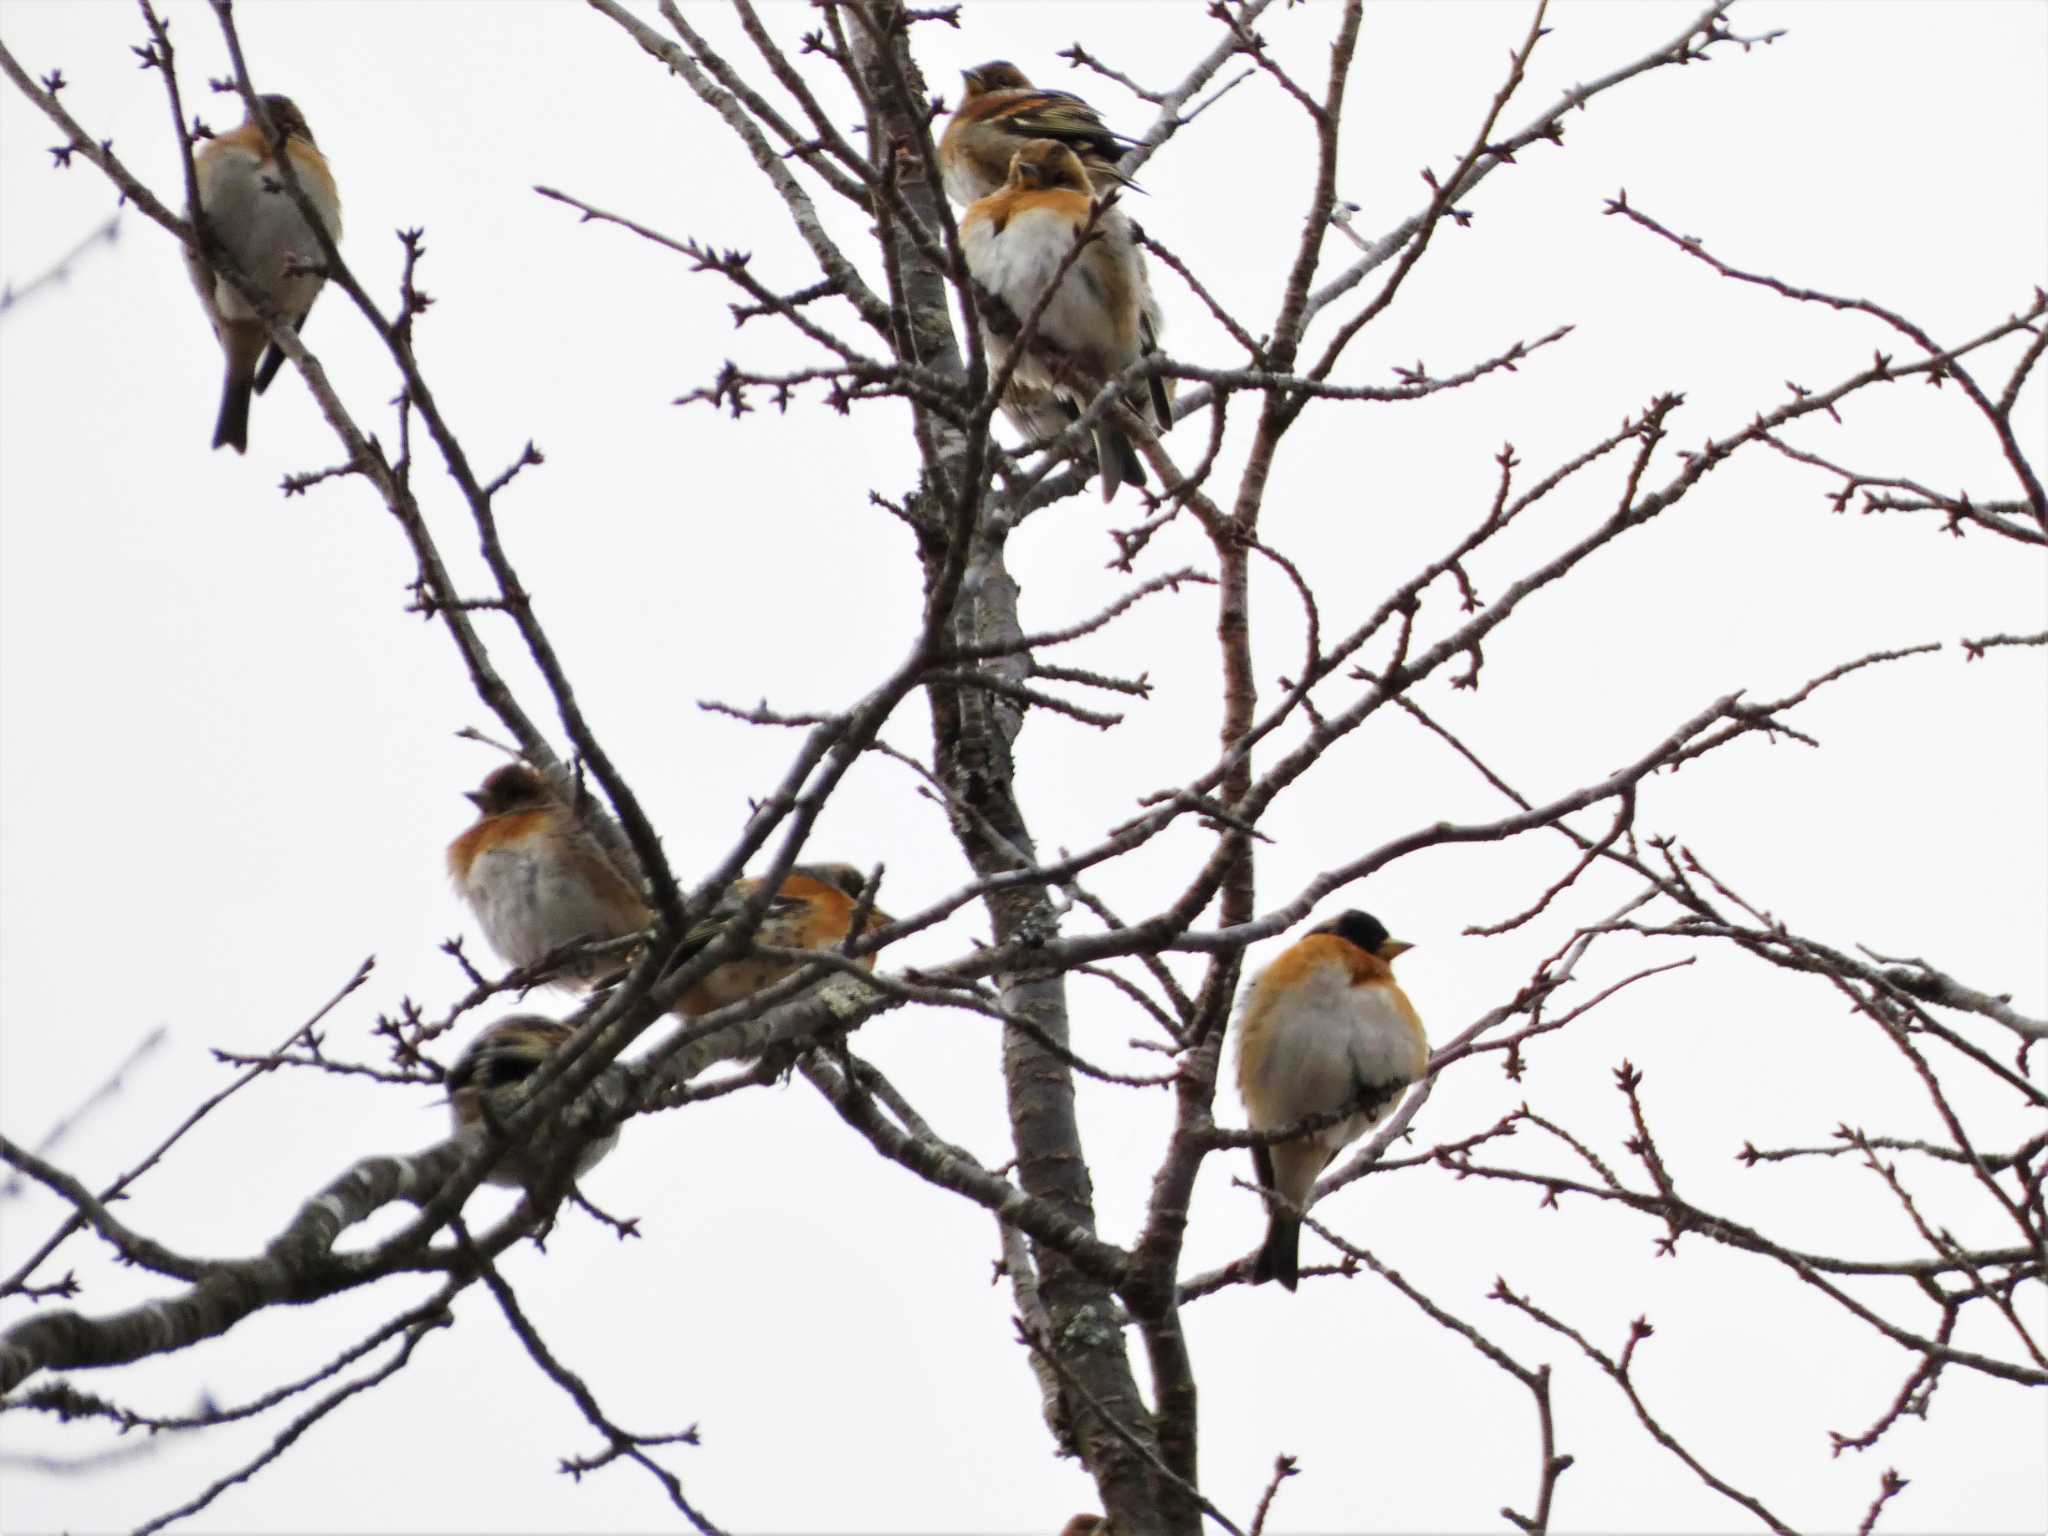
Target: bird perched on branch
{"type": "Point", "coordinates": [814, 908]}
{"type": "Point", "coordinates": [1323, 1028]}
{"type": "Point", "coordinates": [253, 216]}
{"type": "Point", "coordinates": [1018, 242]}
{"type": "Point", "coordinates": [1000, 111]}
{"type": "Point", "coordinates": [537, 880]}
{"type": "Point", "coordinates": [499, 1060]}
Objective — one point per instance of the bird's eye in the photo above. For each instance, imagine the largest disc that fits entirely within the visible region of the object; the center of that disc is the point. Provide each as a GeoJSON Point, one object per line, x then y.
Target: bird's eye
{"type": "Point", "coordinates": [503, 1071]}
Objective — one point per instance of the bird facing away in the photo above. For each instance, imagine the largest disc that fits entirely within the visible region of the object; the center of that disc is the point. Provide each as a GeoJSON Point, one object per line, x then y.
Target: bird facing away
{"type": "Point", "coordinates": [1000, 111]}
{"type": "Point", "coordinates": [1015, 241]}
{"type": "Point", "coordinates": [1322, 1027]}
{"type": "Point", "coordinates": [259, 226]}
{"type": "Point", "coordinates": [813, 909]}
{"type": "Point", "coordinates": [498, 1060]}
{"type": "Point", "coordinates": [537, 880]}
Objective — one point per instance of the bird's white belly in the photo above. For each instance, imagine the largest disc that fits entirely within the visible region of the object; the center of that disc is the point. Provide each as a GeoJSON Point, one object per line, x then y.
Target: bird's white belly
{"type": "Point", "coordinates": [527, 908]}
{"type": "Point", "coordinates": [1331, 1041]}
{"type": "Point", "coordinates": [263, 230]}
{"type": "Point", "coordinates": [1019, 265]}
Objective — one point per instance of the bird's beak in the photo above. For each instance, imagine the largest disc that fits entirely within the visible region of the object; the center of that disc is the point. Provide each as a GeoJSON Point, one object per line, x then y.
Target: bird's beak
{"type": "Point", "coordinates": [475, 797]}
{"type": "Point", "coordinates": [1394, 948]}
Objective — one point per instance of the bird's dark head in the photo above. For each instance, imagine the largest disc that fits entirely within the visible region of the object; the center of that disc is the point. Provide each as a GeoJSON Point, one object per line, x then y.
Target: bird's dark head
{"type": "Point", "coordinates": [844, 877]}
{"type": "Point", "coordinates": [1365, 931]}
{"type": "Point", "coordinates": [995, 75]}
{"type": "Point", "coordinates": [1044, 163]}
{"type": "Point", "coordinates": [286, 118]}
{"type": "Point", "coordinates": [514, 787]}
{"type": "Point", "coordinates": [509, 1052]}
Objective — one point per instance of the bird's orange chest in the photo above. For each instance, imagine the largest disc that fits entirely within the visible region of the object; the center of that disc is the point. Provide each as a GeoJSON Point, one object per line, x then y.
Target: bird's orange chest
{"type": "Point", "coordinates": [225, 149]}
{"type": "Point", "coordinates": [1324, 952]}
{"type": "Point", "coordinates": [312, 169]}
{"type": "Point", "coordinates": [514, 829]}
{"type": "Point", "coordinates": [1320, 960]}
{"type": "Point", "coordinates": [247, 139]}
{"type": "Point", "coordinates": [1013, 203]}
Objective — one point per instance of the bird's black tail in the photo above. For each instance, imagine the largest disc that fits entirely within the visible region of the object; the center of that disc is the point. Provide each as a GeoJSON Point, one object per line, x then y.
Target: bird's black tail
{"type": "Point", "coordinates": [232, 429]}
{"type": "Point", "coordinates": [1280, 1258]}
{"type": "Point", "coordinates": [1159, 388]}
{"type": "Point", "coordinates": [273, 359]}
{"type": "Point", "coordinates": [1117, 459]}
{"type": "Point", "coordinates": [1160, 398]}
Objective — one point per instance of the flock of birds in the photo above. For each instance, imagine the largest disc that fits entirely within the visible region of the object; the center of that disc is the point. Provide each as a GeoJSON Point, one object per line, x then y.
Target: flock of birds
{"type": "Point", "coordinates": [1324, 1031]}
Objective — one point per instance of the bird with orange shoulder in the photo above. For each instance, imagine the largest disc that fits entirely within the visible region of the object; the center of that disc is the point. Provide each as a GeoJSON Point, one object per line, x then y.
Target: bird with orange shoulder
{"type": "Point", "coordinates": [1324, 1027]}
{"type": "Point", "coordinates": [258, 224]}
{"type": "Point", "coordinates": [495, 1065]}
{"type": "Point", "coordinates": [1018, 242]}
{"type": "Point", "coordinates": [538, 881]}
{"type": "Point", "coordinates": [1000, 111]}
{"type": "Point", "coordinates": [814, 908]}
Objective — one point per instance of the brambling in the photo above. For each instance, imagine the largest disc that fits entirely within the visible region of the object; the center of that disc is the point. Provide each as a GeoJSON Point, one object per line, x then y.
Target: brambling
{"type": "Point", "coordinates": [537, 880]}
{"type": "Point", "coordinates": [1014, 241]}
{"type": "Point", "coordinates": [259, 225]}
{"type": "Point", "coordinates": [999, 112]}
{"type": "Point", "coordinates": [1324, 1026]}
{"type": "Point", "coordinates": [502, 1057]}
{"type": "Point", "coordinates": [813, 909]}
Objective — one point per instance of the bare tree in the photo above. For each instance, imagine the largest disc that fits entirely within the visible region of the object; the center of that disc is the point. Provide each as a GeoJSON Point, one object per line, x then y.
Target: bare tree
{"type": "Point", "coordinates": [888, 326]}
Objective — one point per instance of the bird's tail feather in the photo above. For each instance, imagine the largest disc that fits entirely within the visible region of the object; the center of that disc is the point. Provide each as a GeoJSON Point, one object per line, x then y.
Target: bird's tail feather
{"type": "Point", "coordinates": [1118, 460]}
{"type": "Point", "coordinates": [232, 429]}
{"type": "Point", "coordinates": [1280, 1258]}
{"type": "Point", "coordinates": [273, 359]}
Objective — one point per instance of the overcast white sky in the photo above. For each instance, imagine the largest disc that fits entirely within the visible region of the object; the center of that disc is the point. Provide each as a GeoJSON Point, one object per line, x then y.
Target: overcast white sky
{"type": "Point", "coordinates": [228, 767]}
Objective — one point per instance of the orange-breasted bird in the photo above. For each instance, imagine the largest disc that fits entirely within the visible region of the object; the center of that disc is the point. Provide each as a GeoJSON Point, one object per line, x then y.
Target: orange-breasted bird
{"type": "Point", "coordinates": [537, 880]}
{"type": "Point", "coordinates": [257, 223]}
{"type": "Point", "coordinates": [1015, 240]}
{"type": "Point", "coordinates": [1322, 1027]}
{"type": "Point", "coordinates": [813, 909]}
{"type": "Point", "coordinates": [497, 1061]}
{"type": "Point", "coordinates": [1000, 111]}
